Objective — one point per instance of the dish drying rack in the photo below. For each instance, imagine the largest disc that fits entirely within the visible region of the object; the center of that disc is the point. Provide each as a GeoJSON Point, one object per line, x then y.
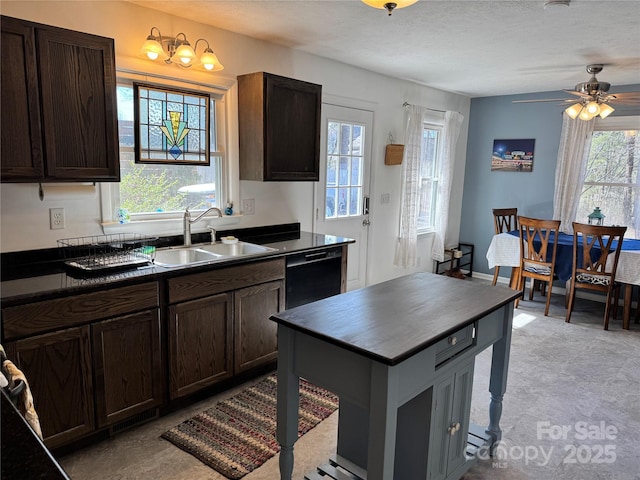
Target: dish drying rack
{"type": "Point", "coordinates": [104, 253]}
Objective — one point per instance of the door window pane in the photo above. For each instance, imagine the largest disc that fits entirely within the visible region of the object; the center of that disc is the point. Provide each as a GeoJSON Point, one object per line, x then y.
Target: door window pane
{"type": "Point", "coordinates": [344, 170]}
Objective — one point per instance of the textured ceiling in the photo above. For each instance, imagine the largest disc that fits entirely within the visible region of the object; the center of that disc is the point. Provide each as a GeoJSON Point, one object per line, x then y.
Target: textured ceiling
{"type": "Point", "coordinates": [473, 47]}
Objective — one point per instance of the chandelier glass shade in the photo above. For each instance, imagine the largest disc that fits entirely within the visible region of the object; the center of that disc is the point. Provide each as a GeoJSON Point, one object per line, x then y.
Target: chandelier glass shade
{"type": "Point", "coordinates": [389, 6]}
{"type": "Point", "coordinates": [178, 50]}
{"type": "Point", "coordinates": [588, 109]}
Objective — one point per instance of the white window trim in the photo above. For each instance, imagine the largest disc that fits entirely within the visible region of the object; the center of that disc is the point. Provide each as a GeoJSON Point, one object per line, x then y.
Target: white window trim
{"type": "Point", "coordinates": [434, 123]}
{"type": "Point", "coordinates": [171, 223]}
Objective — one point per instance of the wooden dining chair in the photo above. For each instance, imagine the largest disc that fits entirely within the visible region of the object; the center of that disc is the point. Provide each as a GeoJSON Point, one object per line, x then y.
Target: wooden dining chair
{"type": "Point", "coordinates": [504, 220]}
{"type": "Point", "coordinates": [537, 236]}
{"type": "Point", "coordinates": [596, 250]}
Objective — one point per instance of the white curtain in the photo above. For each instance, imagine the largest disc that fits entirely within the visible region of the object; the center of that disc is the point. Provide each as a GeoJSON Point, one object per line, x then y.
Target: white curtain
{"type": "Point", "coordinates": [450, 133]}
{"type": "Point", "coordinates": [406, 247]}
{"type": "Point", "coordinates": [571, 167]}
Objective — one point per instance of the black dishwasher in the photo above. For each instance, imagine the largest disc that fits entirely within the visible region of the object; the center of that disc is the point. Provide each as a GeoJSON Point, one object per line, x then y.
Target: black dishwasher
{"type": "Point", "coordinates": [313, 275]}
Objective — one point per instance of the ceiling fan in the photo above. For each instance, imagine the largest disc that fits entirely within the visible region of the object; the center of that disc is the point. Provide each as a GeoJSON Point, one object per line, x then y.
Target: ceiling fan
{"type": "Point", "coordinates": [593, 97]}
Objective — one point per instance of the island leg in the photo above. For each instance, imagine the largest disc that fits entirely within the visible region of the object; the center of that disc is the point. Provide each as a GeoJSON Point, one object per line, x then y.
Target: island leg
{"type": "Point", "coordinates": [383, 416]}
{"type": "Point", "coordinates": [498, 379]}
{"type": "Point", "coordinates": [288, 401]}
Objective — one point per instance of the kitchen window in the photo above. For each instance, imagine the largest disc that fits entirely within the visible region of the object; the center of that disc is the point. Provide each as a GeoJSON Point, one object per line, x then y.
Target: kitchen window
{"type": "Point", "coordinates": [154, 196]}
{"type": "Point", "coordinates": [429, 177]}
{"type": "Point", "coordinates": [612, 181]}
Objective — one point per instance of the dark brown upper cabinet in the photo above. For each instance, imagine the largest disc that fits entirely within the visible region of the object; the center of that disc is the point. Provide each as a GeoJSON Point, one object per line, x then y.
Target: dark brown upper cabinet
{"type": "Point", "coordinates": [279, 127]}
{"type": "Point", "coordinates": [59, 107]}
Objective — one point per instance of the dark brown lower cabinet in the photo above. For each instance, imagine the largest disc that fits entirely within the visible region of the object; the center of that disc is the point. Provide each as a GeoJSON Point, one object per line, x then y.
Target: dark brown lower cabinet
{"type": "Point", "coordinates": [127, 364]}
{"type": "Point", "coordinates": [99, 362]}
{"type": "Point", "coordinates": [255, 336]}
{"type": "Point", "coordinates": [58, 368]}
{"type": "Point", "coordinates": [199, 343]}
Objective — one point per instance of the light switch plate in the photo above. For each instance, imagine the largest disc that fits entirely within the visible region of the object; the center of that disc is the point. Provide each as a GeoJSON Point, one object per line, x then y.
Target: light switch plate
{"type": "Point", "coordinates": [248, 206]}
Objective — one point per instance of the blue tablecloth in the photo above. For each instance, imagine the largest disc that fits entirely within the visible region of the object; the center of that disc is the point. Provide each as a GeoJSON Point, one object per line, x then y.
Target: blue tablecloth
{"type": "Point", "coordinates": [564, 253]}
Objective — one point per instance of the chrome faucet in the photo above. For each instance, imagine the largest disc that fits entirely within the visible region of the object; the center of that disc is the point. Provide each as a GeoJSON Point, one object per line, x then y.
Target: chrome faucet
{"type": "Point", "coordinates": [187, 221]}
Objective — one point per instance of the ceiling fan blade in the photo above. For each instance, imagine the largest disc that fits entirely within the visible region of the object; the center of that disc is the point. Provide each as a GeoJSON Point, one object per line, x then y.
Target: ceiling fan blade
{"type": "Point", "coordinates": [545, 100]}
{"type": "Point", "coordinates": [624, 95]}
{"type": "Point", "coordinates": [625, 101]}
{"type": "Point", "coordinates": [577, 94]}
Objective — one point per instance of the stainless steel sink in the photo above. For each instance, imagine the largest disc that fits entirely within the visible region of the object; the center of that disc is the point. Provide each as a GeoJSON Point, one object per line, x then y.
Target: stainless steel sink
{"type": "Point", "coordinates": [173, 257]}
{"type": "Point", "coordinates": [206, 253]}
{"type": "Point", "coordinates": [236, 249]}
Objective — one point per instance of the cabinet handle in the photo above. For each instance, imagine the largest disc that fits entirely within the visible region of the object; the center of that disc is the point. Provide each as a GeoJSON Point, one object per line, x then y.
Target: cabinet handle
{"type": "Point", "coordinates": [453, 429]}
{"type": "Point", "coordinates": [453, 340]}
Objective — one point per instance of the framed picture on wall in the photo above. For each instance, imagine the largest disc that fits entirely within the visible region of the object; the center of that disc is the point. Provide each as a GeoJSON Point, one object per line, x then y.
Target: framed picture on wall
{"type": "Point", "coordinates": [513, 155]}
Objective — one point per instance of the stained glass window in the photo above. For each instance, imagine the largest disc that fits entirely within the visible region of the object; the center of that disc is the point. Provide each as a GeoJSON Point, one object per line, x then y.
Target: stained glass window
{"type": "Point", "coordinates": [171, 126]}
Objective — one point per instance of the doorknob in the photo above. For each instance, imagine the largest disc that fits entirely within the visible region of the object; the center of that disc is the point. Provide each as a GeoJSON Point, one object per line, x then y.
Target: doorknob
{"type": "Point", "coordinates": [366, 222]}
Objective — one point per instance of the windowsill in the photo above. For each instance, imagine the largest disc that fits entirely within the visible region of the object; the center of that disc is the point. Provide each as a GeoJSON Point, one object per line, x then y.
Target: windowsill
{"type": "Point", "coordinates": [426, 232]}
{"type": "Point", "coordinates": [169, 226]}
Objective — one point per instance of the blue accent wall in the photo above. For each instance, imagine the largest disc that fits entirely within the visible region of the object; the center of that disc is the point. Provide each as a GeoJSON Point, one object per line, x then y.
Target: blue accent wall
{"type": "Point", "coordinates": [531, 193]}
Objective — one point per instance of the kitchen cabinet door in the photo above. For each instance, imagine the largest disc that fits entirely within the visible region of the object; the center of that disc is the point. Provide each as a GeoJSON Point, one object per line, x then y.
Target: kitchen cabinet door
{"type": "Point", "coordinates": [200, 333]}
{"type": "Point", "coordinates": [451, 422]}
{"type": "Point", "coordinates": [279, 128]}
{"type": "Point", "coordinates": [79, 110]}
{"type": "Point", "coordinates": [21, 138]}
{"type": "Point", "coordinates": [59, 108]}
{"type": "Point", "coordinates": [58, 368]}
{"type": "Point", "coordinates": [256, 341]}
{"type": "Point", "coordinates": [128, 366]}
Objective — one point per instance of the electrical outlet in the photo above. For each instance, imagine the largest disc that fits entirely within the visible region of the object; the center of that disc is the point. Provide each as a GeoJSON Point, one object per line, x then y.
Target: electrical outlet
{"type": "Point", "coordinates": [385, 198]}
{"type": "Point", "coordinates": [248, 206]}
{"type": "Point", "coordinates": [56, 218]}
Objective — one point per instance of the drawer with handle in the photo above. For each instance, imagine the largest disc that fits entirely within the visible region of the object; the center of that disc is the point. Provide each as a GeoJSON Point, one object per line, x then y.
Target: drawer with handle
{"type": "Point", "coordinates": [454, 343]}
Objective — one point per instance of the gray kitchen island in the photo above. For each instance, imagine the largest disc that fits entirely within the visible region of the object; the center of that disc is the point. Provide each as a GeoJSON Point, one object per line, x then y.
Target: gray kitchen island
{"type": "Point", "coordinates": [400, 355]}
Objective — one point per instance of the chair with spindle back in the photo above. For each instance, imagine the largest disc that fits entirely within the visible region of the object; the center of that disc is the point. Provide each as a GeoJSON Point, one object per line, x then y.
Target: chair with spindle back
{"type": "Point", "coordinates": [594, 268]}
{"type": "Point", "coordinates": [504, 220]}
{"type": "Point", "coordinates": [535, 263]}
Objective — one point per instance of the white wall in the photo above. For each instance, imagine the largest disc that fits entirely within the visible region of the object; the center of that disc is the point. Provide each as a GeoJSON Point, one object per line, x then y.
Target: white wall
{"type": "Point", "coordinates": [25, 221]}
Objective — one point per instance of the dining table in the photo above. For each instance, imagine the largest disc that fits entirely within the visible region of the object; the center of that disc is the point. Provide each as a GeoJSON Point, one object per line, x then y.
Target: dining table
{"type": "Point", "coordinates": [504, 251]}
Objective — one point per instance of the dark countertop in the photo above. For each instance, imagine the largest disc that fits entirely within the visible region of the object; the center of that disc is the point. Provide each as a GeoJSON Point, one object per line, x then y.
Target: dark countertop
{"type": "Point", "coordinates": [49, 278]}
{"type": "Point", "coordinates": [391, 321]}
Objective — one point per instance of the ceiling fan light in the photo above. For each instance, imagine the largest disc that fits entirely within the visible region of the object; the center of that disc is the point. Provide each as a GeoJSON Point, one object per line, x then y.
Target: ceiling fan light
{"type": "Point", "coordinates": [585, 115]}
{"type": "Point", "coordinates": [606, 110]}
{"type": "Point", "coordinates": [574, 110]}
{"type": "Point", "coordinates": [593, 108]}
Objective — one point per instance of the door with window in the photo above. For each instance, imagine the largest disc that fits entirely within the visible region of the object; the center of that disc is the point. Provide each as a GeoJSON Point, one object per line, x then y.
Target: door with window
{"type": "Point", "coordinates": [342, 194]}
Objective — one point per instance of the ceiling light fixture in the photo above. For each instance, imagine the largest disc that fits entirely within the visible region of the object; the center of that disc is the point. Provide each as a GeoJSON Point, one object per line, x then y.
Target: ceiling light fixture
{"type": "Point", "coordinates": [586, 109]}
{"type": "Point", "coordinates": [556, 3]}
{"type": "Point", "coordinates": [178, 50]}
{"type": "Point", "coordinates": [389, 6]}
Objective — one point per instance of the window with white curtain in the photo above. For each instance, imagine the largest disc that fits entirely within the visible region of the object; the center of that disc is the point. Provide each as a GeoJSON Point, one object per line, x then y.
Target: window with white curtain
{"type": "Point", "coordinates": [429, 176]}
{"type": "Point", "coordinates": [612, 181]}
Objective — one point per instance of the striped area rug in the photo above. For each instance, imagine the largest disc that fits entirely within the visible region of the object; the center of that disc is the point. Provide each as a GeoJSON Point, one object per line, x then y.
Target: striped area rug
{"type": "Point", "coordinates": [238, 435]}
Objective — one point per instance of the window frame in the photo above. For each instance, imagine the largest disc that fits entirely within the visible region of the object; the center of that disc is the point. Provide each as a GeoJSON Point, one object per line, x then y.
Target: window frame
{"type": "Point", "coordinates": [613, 124]}
{"type": "Point", "coordinates": [437, 125]}
{"type": "Point", "coordinates": [171, 222]}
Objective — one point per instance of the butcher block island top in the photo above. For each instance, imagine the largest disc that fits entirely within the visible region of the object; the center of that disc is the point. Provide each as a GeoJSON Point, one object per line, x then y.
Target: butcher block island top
{"type": "Point", "coordinates": [393, 320]}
